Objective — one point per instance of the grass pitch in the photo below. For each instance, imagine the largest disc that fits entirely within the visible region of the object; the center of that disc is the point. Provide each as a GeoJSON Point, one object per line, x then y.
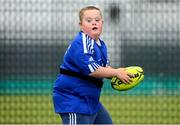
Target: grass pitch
{"type": "Point", "coordinates": [124, 109]}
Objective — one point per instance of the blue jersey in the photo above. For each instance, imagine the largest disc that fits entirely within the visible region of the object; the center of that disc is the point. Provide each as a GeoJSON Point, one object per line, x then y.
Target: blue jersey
{"type": "Point", "coordinates": [72, 94]}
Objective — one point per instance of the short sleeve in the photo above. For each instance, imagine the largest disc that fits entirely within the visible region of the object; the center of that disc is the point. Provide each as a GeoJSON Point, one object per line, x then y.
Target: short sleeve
{"type": "Point", "coordinates": [84, 54]}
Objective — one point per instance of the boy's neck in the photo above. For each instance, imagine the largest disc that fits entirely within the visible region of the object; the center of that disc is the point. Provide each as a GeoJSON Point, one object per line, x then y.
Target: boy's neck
{"type": "Point", "coordinates": [96, 39]}
{"type": "Point", "coordinates": [98, 42]}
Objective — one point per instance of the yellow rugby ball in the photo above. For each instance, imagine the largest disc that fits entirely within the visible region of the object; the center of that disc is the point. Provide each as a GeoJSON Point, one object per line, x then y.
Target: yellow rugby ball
{"type": "Point", "coordinates": [138, 72]}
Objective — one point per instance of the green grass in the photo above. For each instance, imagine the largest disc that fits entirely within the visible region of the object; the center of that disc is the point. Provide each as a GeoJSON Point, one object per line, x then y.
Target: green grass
{"type": "Point", "coordinates": [143, 109]}
{"type": "Point", "coordinates": [124, 109]}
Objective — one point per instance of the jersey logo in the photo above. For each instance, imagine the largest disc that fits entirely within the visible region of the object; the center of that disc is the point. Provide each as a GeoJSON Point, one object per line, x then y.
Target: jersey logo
{"type": "Point", "coordinates": [91, 59]}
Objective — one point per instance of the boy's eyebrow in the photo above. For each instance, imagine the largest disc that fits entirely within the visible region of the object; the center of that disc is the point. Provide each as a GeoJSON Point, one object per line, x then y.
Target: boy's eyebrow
{"type": "Point", "coordinates": [93, 18]}
{"type": "Point", "coordinates": [89, 18]}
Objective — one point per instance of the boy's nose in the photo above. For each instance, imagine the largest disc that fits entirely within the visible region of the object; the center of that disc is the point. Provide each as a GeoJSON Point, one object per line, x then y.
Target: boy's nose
{"type": "Point", "coordinates": [94, 22]}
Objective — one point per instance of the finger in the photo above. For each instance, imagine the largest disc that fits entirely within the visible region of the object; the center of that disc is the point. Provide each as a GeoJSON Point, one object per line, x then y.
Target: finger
{"type": "Point", "coordinates": [131, 75]}
{"type": "Point", "coordinates": [127, 80]}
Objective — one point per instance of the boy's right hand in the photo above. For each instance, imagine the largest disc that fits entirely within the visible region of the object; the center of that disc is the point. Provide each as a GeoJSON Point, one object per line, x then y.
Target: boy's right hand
{"type": "Point", "coordinates": [123, 75]}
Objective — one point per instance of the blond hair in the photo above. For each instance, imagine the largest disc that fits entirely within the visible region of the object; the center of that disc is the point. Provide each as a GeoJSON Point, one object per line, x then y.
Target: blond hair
{"type": "Point", "coordinates": [81, 12]}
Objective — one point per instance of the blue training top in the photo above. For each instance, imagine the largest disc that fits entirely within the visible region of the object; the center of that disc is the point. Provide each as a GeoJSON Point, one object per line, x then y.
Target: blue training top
{"type": "Point", "coordinates": [71, 94]}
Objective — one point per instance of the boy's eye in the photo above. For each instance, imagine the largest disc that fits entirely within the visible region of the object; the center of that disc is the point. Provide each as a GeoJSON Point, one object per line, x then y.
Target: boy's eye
{"type": "Point", "coordinates": [89, 20]}
{"type": "Point", "coordinates": [97, 19]}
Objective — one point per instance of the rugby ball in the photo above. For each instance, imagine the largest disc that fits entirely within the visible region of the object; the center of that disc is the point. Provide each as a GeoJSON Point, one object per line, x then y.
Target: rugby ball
{"type": "Point", "coordinates": [138, 72]}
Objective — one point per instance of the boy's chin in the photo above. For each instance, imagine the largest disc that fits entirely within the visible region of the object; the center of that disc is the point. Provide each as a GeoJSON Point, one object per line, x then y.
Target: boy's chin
{"type": "Point", "coordinates": [96, 34]}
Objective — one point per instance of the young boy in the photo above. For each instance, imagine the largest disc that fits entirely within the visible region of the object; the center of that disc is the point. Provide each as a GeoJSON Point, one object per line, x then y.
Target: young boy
{"type": "Point", "coordinates": [77, 88]}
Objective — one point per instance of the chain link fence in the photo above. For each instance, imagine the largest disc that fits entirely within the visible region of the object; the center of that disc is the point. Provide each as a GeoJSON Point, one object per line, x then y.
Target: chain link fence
{"type": "Point", "coordinates": [34, 35]}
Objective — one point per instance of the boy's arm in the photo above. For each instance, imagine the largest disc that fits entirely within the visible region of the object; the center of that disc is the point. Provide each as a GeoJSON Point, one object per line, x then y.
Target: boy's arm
{"type": "Point", "coordinates": [109, 72]}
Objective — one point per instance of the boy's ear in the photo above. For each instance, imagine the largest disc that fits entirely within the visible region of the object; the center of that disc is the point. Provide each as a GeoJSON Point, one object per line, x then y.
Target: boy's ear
{"type": "Point", "coordinates": [80, 24]}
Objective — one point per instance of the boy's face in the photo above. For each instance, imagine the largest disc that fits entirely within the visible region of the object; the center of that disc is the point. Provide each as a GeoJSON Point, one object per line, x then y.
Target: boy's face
{"type": "Point", "coordinates": [91, 23]}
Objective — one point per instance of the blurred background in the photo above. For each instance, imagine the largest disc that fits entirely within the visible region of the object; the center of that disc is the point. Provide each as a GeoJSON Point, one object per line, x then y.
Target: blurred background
{"type": "Point", "coordinates": [34, 35]}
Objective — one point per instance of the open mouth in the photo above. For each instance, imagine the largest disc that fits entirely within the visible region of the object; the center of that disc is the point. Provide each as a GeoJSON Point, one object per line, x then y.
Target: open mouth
{"type": "Point", "coordinates": [94, 28]}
